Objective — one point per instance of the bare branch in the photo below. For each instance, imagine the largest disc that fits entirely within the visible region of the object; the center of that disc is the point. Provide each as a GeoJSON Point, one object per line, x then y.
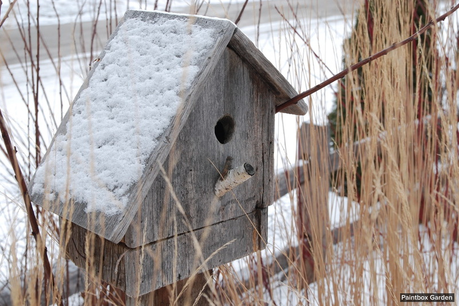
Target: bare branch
{"type": "Point", "coordinates": [7, 12]}
{"type": "Point", "coordinates": [242, 12]}
{"type": "Point", "coordinates": [28, 203]}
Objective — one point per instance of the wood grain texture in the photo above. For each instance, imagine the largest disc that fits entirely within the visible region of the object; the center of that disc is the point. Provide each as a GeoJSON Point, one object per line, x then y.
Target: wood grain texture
{"type": "Point", "coordinates": [114, 227]}
{"type": "Point", "coordinates": [242, 45]}
{"type": "Point", "coordinates": [242, 84]}
{"type": "Point", "coordinates": [194, 162]}
{"type": "Point", "coordinates": [312, 205]}
{"type": "Point", "coordinates": [141, 270]}
{"type": "Point", "coordinates": [222, 34]}
{"type": "Point", "coordinates": [288, 181]}
{"type": "Point", "coordinates": [313, 144]}
{"type": "Point", "coordinates": [104, 259]}
{"type": "Point", "coordinates": [196, 293]}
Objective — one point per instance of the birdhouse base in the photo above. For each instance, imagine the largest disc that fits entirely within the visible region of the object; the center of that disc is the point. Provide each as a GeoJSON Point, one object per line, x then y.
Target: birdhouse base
{"type": "Point", "coordinates": [138, 271]}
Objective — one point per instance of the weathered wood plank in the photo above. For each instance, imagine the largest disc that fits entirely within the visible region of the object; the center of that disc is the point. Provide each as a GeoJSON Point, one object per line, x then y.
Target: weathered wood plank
{"type": "Point", "coordinates": [312, 201]}
{"type": "Point", "coordinates": [290, 179]}
{"type": "Point", "coordinates": [250, 53]}
{"type": "Point", "coordinates": [243, 85]}
{"type": "Point", "coordinates": [102, 259]}
{"type": "Point", "coordinates": [289, 257]}
{"type": "Point", "coordinates": [223, 33]}
{"type": "Point", "coordinates": [142, 270]}
{"type": "Point", "coordinates": [268, 124]}
{"type": "Point", "coordinates": [233, 90]}
{"type": "Point", "coordinates": [196, 293]}
{"type": "Point", "coordinates": [114, 227]}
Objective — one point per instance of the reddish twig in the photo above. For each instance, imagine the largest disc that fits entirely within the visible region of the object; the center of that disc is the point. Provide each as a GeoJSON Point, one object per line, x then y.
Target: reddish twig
{"type": "Point", "coordinates": [36, 93]}
{"type": "Point", "coordinates": [28, 203]}
{"type": "Point", "coordinates": [242, 11]}
{"type": "Point", "coordinates": [168, 6]}
{"type": "Point", "coordinates": [94, 33]}
{"type": "Point", "coordinates": [7, 12]}
{"type": "Point", "coordinates": [307, 42]}
{"type": "Point", "coordinates": [356, 66]}
{"type": "Point", "coordinates": [260, 8]}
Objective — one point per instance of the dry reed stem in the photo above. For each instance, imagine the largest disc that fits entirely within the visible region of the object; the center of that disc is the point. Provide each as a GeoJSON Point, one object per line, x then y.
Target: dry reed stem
{"type": "Point", "coordinates": [241, 12]}
{"type": "Point", "coordinates": [367, 60]}
{"type": "Point", "coordinates": [10, 8]}
{"type": "Point", "coordinates": [41, 245]}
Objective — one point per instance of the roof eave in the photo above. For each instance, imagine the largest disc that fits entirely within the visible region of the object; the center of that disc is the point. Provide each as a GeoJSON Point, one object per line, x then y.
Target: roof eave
{"type": "Point", "coordinates": [245, 48]}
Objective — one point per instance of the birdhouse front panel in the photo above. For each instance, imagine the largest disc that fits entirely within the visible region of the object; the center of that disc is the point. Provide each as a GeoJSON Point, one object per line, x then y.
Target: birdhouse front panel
{"type": "Point", "coordinates": [232, 125]}
{"type": "Point", "coordinates": [166, 155]}
{"type": "Point", "coordinates": [138, 271]}
{"type": "Point", "coordinates": [125, 118]}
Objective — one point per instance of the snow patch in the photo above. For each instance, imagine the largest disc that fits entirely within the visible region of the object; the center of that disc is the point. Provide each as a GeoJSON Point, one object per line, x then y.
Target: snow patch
{"type": "Point", "coordinates": [116, 121]}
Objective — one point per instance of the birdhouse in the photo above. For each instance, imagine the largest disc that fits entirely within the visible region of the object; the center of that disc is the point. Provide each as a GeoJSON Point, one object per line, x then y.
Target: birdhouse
{"type": "Point", "coordinates": [166, 153]}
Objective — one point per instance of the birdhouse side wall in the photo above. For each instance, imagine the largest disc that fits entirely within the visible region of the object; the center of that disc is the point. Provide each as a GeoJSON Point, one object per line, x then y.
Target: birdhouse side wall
{"type": "Point", "coordinates": [141, 270]}
{"type": "Point", "coordinates": [233, 117]}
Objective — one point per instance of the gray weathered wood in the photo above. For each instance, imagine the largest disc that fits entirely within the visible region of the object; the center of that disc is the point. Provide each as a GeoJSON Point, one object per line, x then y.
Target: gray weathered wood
{"type": "Point", "coordinates": [312, 205]}
{"type": "Point", "coordinates": [151, 243]}
{"type": "Point", "coordinates": [290, 179]}
{"type": "Point", "coordinates": [308, 148]}
{"type": "Point", "coordinates": [144, 269]}
{"type": "Point", "coordinates": [196, 293]}
{"type": "Point", "coordinates": [224, 30]}
{"type": "Point", "coordinates": [240, 87]}
{"type": "Point", "coordinates": [242, 45]}
{"type": "Point", "coordinates": [114, 227]}
{"type": "Point", "coordinates": [194, 162]}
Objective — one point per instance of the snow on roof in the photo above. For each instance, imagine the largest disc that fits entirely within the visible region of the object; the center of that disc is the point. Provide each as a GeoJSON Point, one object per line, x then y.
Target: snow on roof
{"type": "Point", "coordinates": [115, 122]}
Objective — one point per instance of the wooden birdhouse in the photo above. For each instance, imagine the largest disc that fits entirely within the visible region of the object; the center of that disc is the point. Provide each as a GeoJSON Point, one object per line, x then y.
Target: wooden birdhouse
{"type": "Point", "coordinates": [166, 153]}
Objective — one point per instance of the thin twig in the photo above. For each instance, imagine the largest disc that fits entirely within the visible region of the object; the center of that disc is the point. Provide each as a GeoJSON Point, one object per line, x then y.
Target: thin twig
{"type": "Point", "coordinates": [356, 66]}
{"type": "Point", "coordinates": [36, 93]}
{"type": "Point", "coordinates": [306, 41]}
{"type": "Point", "coordinates": [94, 33]}
{"type": "Point", "coordinates": [28, 203]}
{"type": "Point", "coordinates": [242, 11]}
{"type": "Point", "coordinates": [7, 12]}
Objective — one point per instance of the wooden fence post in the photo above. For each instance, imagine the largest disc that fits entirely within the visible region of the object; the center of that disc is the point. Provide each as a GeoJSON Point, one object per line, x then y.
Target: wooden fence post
{"type": "Point", "coordinates": [312, 203]}
{"type": "Point", "coordinates": [196, 293]}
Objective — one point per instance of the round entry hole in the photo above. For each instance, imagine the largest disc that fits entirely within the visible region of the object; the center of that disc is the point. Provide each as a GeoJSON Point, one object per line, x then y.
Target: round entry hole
{"type": "Point", "coordinates": [224, 129]}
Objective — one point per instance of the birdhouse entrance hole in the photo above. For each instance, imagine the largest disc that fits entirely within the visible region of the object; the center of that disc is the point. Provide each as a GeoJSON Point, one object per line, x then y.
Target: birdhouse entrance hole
{"type": "Point", "coordinates": [224, 129]}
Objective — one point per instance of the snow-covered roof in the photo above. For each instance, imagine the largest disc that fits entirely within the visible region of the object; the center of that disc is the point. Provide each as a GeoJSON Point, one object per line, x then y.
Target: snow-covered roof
{"type": "Point", "coordinates": [116, 121]}
{"type": "Point", "coordinates": [128, 113]}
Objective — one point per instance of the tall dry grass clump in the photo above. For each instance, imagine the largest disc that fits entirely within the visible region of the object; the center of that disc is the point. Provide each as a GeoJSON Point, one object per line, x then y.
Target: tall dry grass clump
{"type": "Point", "coordinates": [390, 167]}
{"type": "Point", "coordinates": [395, 129]}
